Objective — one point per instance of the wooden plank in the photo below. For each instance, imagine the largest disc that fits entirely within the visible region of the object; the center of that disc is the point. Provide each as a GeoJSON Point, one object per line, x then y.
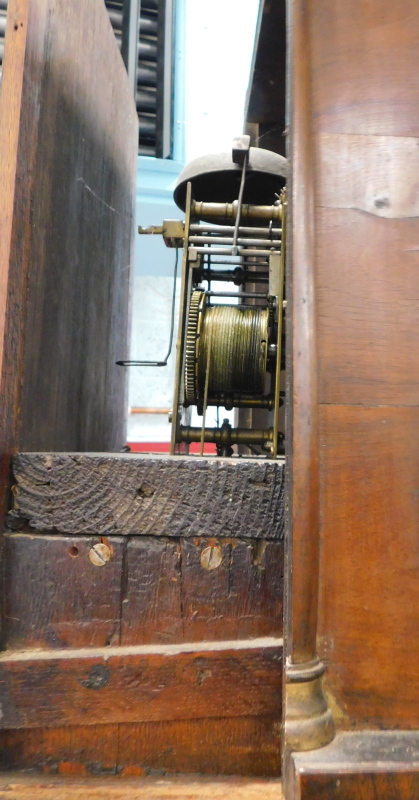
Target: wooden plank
{"type": "Point", "coordinates": [160, 496]}
{"type": "Point", "coordinates": [71, 750]}
{"type": "Point", "coordinates": [67, 175]}
{"type": "Point", "coordinates": [140, 684]}
{"type": "Point", "coordinates": [151, 601]}
{"type": "Point", "coordinates": [364, 84]}
{"type": "Point", "coordinates": [17, 787]}
{"type": "Point", "coordinates": [236, 746]}
{"type": "Point", "coordinates": [12, 276]}
{"type": "Point", "coordinates": [54, 596]}
{"type": "Point", "coordinates": [369, 605]}
{"type": "Point", "coordinates": [250, 746]}
{"type": "Point", "coordinates": [238, 596]}
{"type": "Point", "coordinates": [152, 590]}
{"type": "Point", "coordinates": [376, 303]}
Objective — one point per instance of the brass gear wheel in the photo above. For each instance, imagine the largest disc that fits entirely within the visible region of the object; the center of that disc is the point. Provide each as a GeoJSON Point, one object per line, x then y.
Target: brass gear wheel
{"type": "Point", "coordinates": [191, 355]}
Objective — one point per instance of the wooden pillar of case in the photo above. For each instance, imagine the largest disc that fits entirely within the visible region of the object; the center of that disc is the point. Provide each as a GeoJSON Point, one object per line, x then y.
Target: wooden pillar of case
{"type": "Point", "coordinates": [308, 721]}
{"type": "Point", "coordinates": [354, 561]}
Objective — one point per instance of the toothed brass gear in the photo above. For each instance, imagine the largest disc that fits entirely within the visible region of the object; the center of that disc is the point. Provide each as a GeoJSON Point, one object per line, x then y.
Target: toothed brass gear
{"type": "Point", "coordinates": [191, 350]}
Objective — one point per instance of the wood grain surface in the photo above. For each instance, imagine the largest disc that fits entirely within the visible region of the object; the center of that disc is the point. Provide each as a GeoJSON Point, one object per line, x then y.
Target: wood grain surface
{"type": "Point", "coordinates": [140, 684]}
{"type": "Point", "coordinates": [155, 589]}
{"type": "Point", "coordinates": [360, 766]}
{"type": "Point", "coordinates": [159, 496]}
{"type": "Point", "coordinates": [152, 590]}
{"type": "Point", "coordinates": [53, 596]}
{"type": "Point", "coordinates": [363, 81]}
{"type": "Point", "coordinates": [68, 133]}
{"type": "Point", "coordinates": [242, 598]}
{"type": "Point", "coordinates": [215, 746]}
{"type": "Point", "coordinates": [370, 604]}
{"type": "Point", "coordinates": [15, 787]}
{"type": "Point", "coordinates": [368, 298]}
{"type": "Point", "coordinates": [367, 228]}
{"type": "Point", "coordinates": [302, 441]}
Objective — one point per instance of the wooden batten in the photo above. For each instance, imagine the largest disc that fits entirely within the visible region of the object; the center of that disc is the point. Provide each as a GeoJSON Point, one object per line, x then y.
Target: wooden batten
{"type": "Point", "coordinates": [140, 684]}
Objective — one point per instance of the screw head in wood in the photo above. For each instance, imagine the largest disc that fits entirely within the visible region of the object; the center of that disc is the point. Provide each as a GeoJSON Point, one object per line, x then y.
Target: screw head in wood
{"type": "Point", "coordinates": [100, 554]}
{"type": "Point", "coordinates": [211, 557]}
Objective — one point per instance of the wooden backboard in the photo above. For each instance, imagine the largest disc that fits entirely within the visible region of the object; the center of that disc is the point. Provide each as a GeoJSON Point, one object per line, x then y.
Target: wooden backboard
{"type": "Point", "coordinates": [68, 138]}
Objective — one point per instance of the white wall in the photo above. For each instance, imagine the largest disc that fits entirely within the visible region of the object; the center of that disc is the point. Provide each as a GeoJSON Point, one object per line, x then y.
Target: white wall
{"type": "Point", "coordinates": [219, 46]}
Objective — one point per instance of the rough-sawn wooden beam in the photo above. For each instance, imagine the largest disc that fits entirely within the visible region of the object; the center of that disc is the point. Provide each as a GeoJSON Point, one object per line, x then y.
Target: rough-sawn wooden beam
{"type": "Point", "coordinates": [129, 494]}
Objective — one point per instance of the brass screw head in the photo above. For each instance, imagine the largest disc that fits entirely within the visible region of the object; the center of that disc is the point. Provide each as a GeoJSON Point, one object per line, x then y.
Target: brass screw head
{"type": "Point", "coordinates": [100, 554]}
{"type": "Point", "coordinates": [211, 557]}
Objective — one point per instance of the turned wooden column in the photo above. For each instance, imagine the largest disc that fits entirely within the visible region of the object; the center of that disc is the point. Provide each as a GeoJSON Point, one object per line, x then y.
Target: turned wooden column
{"type": "Point", "coordinates": [308, 721]}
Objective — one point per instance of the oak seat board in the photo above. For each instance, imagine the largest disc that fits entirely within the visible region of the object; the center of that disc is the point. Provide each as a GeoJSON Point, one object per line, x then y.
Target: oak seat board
{"type": "Point", "coordinates": [140, 684]}
{"type": "Point", "coordinates": [106, 494]}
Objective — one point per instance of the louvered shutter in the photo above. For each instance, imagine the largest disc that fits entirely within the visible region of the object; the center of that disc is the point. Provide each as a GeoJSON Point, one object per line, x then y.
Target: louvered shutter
{"type": "Point", "coordinates": [147, 51]}
{"type": "Point", "coordinates": [153, 80]}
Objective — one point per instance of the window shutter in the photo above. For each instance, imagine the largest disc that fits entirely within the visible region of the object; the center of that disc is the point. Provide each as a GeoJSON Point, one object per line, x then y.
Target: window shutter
{"type": "Point", "coordinates": [150, 68]}
{"type": "Point", "coordinates": [147, 50]}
